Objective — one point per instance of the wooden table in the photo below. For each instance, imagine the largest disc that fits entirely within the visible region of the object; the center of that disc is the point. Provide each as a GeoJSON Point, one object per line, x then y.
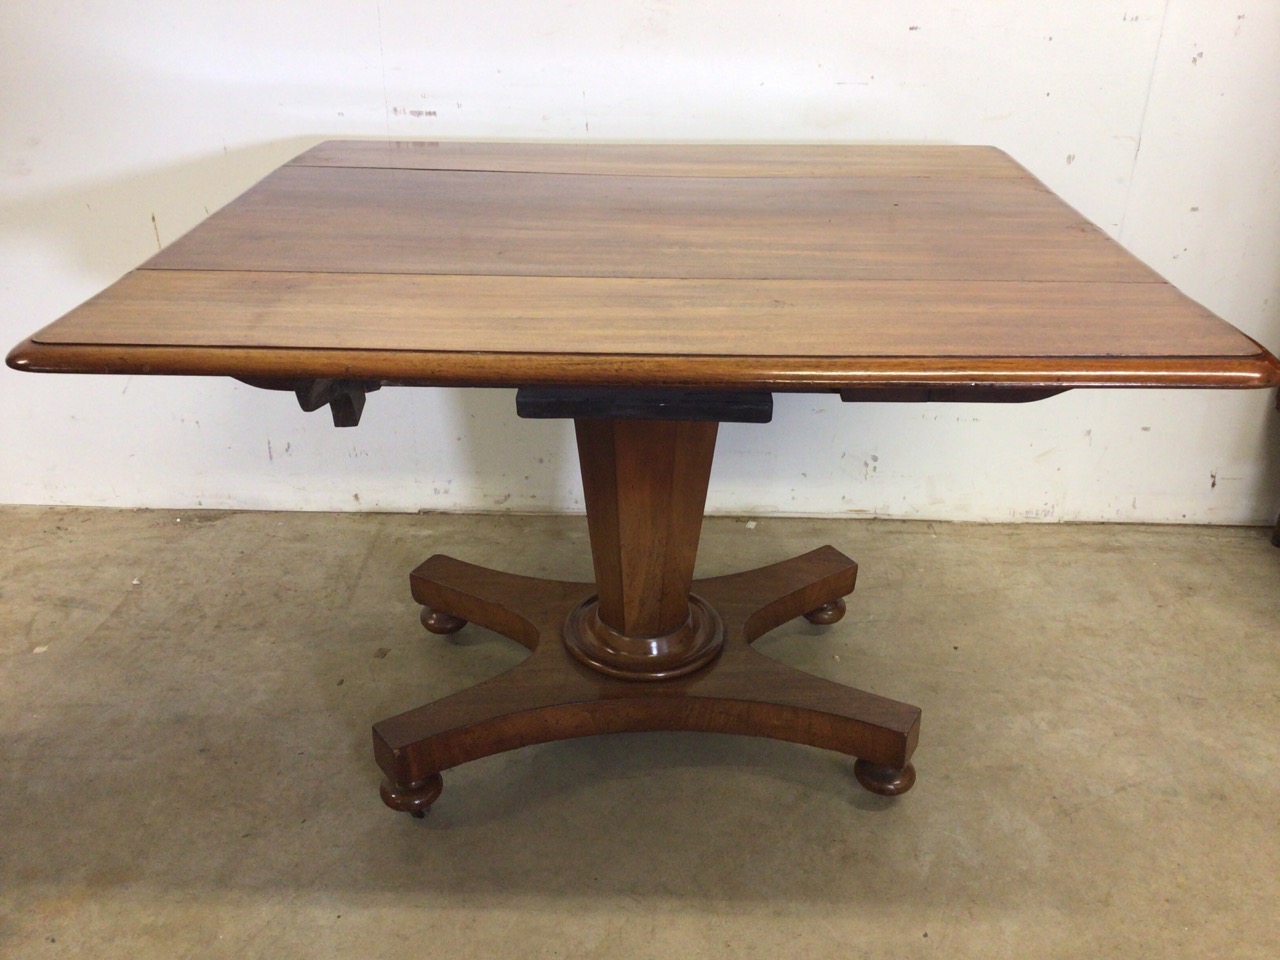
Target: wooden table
{"type": "Point", "coordinates": [648, 292]}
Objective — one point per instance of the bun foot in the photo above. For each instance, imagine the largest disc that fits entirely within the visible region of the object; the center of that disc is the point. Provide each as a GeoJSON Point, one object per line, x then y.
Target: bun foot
{"type": "Point", "coordinates": [886, 781]}
{"type": "Point", "coordinates": [440, 623]}
{"type": "Point", "coordinates": [826, 614]}
{"type": "Point", "coordinates": [414, 799]}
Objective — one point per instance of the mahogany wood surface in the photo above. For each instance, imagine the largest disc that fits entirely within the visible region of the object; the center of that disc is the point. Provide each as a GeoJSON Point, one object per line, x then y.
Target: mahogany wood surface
{"type": "Point", "coordinates": [463, 223]}
{"type": "Point", "coordinates": [645, 486]}
{"type": "Point", "coordinates": [644, 483]}
{"type": "Point", "coordinates": [552, 696]}
{"type": "Point", "coordinates": [741, 267]}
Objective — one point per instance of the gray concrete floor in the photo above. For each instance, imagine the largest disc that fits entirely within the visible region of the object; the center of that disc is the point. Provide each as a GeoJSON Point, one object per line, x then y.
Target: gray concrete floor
{"type": "Point", "coordinates": [186, 769]}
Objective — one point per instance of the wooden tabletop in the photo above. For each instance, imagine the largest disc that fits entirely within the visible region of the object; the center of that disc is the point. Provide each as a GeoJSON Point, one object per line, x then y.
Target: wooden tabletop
{"type": "Point", "coordinates": [782, 267]}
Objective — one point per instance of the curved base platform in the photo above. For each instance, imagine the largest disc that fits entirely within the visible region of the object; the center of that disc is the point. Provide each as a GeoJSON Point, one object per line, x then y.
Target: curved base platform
{"type": "Point", "coordinates": [552, 696]}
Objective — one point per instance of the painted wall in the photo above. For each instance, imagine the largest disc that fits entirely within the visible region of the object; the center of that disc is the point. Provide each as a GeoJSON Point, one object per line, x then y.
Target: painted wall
{"type": "Point", "coordinates": [123, 124]}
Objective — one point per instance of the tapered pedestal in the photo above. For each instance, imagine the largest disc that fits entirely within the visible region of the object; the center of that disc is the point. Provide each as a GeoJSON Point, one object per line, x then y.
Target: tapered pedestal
{"type": "Point", "coordinates": [644, 647]}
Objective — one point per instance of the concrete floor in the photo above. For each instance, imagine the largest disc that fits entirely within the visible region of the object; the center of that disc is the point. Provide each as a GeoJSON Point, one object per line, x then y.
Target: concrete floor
{"type": "Point", "coordinates": [186, 769]}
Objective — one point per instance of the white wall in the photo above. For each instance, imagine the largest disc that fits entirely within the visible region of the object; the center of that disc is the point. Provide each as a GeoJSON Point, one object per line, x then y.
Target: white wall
{"type": "Point", "coordinates": [121, 124]}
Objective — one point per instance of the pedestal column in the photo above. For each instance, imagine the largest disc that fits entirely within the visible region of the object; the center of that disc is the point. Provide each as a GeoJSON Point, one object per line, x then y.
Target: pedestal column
{"type": "Point", "coordinates": [645, 483]}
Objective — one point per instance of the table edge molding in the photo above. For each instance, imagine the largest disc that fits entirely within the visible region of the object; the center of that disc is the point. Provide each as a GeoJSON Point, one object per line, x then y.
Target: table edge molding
{"type": "Point", "coordinates": [787, 374]}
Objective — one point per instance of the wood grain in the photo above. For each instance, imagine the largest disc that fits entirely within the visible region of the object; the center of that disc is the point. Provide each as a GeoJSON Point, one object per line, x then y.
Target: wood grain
{"type": "Point", "coordinates": [654, 317]}
{"type": "Point", "coordinates": [645, 485]}
{"type": "Point", "coordinates": [344, 220]}
{"type": "Point", "coordinates": [802, 374]}
{"type": "Point", "coordinates": [786, 268]}
{"type": "Point", "coordinates": [550, 696]}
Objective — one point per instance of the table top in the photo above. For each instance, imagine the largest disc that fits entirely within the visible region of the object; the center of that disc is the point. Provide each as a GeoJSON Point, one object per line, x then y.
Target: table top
{"type": "Point", "coordinates": [749, 267]}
